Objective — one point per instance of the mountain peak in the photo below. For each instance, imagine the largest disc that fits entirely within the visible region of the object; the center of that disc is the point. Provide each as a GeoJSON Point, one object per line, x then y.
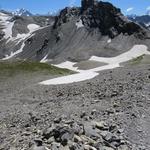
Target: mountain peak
{"type": "Point", "coordinates": [22, 12]}
{"type": "Point", "coordinates": [88, 3]}
{"type": "Point", "coordinates": [100, 15]}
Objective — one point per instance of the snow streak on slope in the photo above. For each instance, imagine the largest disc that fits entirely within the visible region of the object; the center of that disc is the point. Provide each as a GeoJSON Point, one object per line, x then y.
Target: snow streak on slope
{"type": "Point", "coordinates": [15, 53]}
{"type": "Point", "coordinates": [83, 75]}
{"type": "Point", "coordinates": [44, 60]}
{"type": "Point", "coordinates": [7, 26]}
{"type": "Point", "coordinates": [79, 24]}
{"type": "Point", "coordinates": [21, 38]}
{"type": "Point", "coordinates": [21, 48]}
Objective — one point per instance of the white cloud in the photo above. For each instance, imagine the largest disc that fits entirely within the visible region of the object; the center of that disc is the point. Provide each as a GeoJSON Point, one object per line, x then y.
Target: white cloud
{"type": "Point", "coordinates": [148, 8]}
{"type": "Point", "coordinates": [129, 9]}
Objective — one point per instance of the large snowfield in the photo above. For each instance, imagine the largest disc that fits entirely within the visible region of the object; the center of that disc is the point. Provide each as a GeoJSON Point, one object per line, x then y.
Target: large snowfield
{"type": "Point", "coordinates": [112, 63]}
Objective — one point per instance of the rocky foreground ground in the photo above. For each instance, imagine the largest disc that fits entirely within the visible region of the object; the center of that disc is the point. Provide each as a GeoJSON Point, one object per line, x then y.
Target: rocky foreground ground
{"type": "Point", "coordinates": [109, 112]}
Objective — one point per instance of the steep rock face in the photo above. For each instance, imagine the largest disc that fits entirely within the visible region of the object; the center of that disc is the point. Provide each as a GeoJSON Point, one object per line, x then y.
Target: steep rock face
{"type": "Point", "coordinates": [108, 19]}
{"type": "Point", "coordinates": [102, 15]}
{"type": "Point", "coordinates": [66, 15]}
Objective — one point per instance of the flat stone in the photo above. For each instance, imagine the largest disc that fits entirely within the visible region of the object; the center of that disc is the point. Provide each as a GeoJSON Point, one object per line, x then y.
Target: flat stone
{"type": "Point", "coordinates": [88, 147]}
{"type": "Point", "coordinates": [88, 140]}
{"type": "Point", "coordinates": [123, 147]}
{"type": "Point", "coordinates": [106, 148]}
{"type": "Point", "coordinates": [108, 136]}
{"type": "Point", "coordinates": [77, 139]}
{"type": "Point", "coordinates": [101, 125]}
{"type": "Point", "coordinates": [47, 133]}
{"type": "Point", "coordinates": [56, 146]}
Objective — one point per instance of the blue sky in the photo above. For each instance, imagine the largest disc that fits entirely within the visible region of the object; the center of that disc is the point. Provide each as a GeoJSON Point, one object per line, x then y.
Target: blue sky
{"type": "Point", "coordinates": [43, 6]}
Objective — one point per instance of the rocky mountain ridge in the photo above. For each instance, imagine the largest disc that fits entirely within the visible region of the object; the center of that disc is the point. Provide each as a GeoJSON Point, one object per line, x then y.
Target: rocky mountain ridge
{"type": "Point", "coordinates": [102, 15]}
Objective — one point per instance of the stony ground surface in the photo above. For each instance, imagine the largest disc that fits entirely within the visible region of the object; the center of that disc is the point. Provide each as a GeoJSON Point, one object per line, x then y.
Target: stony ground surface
{"type": "Point", "coordinates": [109, 112]}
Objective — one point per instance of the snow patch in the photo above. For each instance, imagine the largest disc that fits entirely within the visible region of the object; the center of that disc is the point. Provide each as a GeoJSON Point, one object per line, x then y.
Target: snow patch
{"type": "Point", "coordinates": [7, 25]}
{"type": "Point", "coordinates": [44, 60]}
{"type": "Point", "coordinates": [109, 41]}
{"type": "Point", "coordinates": [8, 30]}
{"type": "Point", "coordinates": [33, 27]}
{"type": "Point", "coordinates": [79, 24]}
{"type": "Point", "coordinates": [147, 24]}
{"type": "Point", "coordinates": [106, 67]}
{"type": "Point", "coordinates": [83, 75]}
{"type": "Point", "coordinates": [134, 52]}
{"type": "Point", "coordinates": [71, 78]}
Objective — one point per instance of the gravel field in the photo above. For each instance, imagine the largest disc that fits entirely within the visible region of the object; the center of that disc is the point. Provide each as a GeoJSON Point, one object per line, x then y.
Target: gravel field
{"type": "Point", "coordinates": [109, 112]}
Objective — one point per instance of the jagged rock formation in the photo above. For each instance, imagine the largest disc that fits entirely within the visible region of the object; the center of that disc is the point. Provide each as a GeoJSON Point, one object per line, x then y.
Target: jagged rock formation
{"type": "Point", "coordinates": [102, 15]}
{"type": "Point", "coordinates": [108, 19]}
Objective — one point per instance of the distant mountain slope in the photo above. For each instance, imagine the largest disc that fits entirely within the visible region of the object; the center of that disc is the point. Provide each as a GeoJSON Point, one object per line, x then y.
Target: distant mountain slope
{"type": "Point", "coordinates": [95, 28]}
{"type": "Point", "coordinates": [22, 12]}
{"type": "Point", "coordinates": [15, 30]}
{"type": "Point", "coordinates": [142, 20]}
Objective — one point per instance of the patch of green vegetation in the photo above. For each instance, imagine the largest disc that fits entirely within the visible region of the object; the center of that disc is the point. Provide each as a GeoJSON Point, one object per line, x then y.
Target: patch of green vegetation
{"type": "Point", "coordinates": [13, 68]}
{"type": "Point", "coordinates": [137, 60]}
{"type": "Point", "coordinates": [89, 64]}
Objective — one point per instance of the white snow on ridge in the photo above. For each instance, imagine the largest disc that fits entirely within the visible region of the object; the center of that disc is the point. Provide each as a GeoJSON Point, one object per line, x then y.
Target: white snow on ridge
{"type": "Point", "coordinates": [83, 75]}
{"type": "Point", "coordinates": [15, 53]}
{"type": "Point", "coordinates": [7, 25]}
{"type": "Point", "coordinates": [79, 24]}
{"type": "Point", "coordinates": [8, 30]}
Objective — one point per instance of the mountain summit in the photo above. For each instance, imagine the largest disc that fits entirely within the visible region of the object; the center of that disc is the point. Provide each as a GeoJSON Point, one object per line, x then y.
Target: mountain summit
{"type": "Point", "coordinates": [102, 15]}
